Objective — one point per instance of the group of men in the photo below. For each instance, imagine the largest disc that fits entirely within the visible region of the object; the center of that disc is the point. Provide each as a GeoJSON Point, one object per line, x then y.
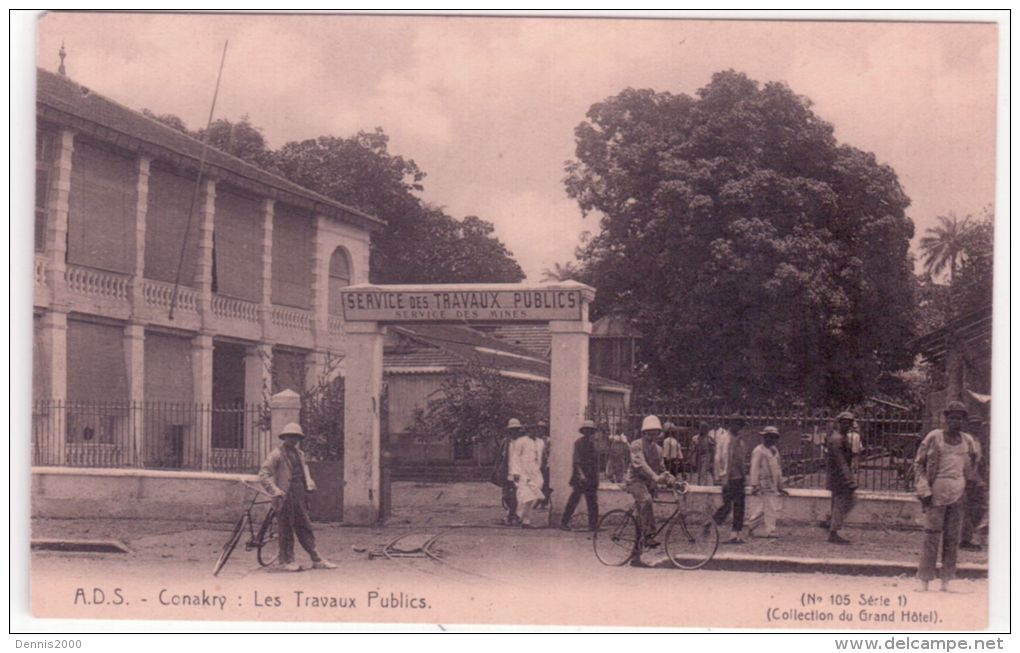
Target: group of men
{"type": "Point", "coordinates": [949, 478]}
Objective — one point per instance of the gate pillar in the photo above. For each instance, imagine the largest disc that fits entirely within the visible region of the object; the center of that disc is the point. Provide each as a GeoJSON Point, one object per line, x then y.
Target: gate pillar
{"type": "Point", "coordinates": [362, 407]}
{"type": "Point", "coordinates": [568, 401]}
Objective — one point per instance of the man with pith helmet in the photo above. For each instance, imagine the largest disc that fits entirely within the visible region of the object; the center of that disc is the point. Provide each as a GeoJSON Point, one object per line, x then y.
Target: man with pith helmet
{"type": "Point", "coordinates": [285, 476]}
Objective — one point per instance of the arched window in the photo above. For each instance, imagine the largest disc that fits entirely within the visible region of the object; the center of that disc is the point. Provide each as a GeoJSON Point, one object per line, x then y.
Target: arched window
{"type": "Point", "coordinates": [339, 278]}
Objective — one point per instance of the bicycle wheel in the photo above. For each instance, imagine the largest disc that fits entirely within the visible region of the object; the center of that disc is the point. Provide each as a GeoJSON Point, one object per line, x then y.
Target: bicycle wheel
{"type": "Point", "coordinates": [691, 539]}
{"type": "Point", "coordinates": [228, 548]}
{"type": "Point", "coordinates": [616, 538]}
{"type": "Point", "coordinates": [267, 535]}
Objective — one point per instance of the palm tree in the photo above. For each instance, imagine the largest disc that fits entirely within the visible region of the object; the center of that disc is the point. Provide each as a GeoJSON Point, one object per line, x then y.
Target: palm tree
{"type": "Point", "coordinates": [561, 272]}
{"type": "Point", "coordinates": [945, 245]}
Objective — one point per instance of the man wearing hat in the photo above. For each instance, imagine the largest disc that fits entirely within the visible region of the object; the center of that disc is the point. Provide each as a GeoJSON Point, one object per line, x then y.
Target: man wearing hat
{"type": "Point", "coordinates": [766, 484]}
{"type": "Point", "coordinates": [945, 458]}
{"type": "Point", "coordinates": [285, 476]}
{"type": "Point", "coordinates": [645, 471]}
{"type": "Point", "coordinates": [584, 477]}
{"type": "Point", "coordinates": [501, 472]}
{"type": "Point", "coordinates": [525, 470]}
{"type": "Point", "coordinates": [840, 479]}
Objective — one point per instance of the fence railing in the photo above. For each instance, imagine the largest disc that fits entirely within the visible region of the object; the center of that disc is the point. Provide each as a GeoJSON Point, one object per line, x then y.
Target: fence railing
{"type": "Point", "coordinates": [889, 439]}
{"type": "Point", "coordinates": [151, 435]}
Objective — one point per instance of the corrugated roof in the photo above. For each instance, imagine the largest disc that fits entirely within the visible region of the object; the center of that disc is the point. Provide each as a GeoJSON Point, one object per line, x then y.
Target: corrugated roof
{"type": "Point", "coordinates": [70, 100]}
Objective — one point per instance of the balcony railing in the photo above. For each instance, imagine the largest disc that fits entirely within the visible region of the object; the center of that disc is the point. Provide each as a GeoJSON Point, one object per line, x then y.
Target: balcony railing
{"type": "Point", "coordinates": [40, 269]}
{"type": "Point", "coordinates": [158, 293]}
{"type": "Point", "coordinates": [97, 283]}
{"type": "Point", "coordinates": [292, 318]}
{"type": "Point", "coordinates": [335, 324]}
{"type": "Point", "coordinates": [235, 309]}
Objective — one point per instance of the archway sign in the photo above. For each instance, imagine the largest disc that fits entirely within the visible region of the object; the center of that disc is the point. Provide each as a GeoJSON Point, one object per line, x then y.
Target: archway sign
{"type": "Point", "coordinates": [367, 309]}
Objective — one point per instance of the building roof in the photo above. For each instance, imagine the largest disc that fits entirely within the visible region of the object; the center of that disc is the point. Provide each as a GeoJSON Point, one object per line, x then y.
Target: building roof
{"type": "Point", "coordinates": [439, 347]}
{"type": "Point", "coordinates": [62, 101]}
{"type": "Point", "coordinates": [974, 328]}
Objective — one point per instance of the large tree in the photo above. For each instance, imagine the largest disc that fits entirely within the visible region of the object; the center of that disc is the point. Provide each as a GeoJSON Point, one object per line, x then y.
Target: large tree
{"type": "Point", "coordinates": [761, 259]}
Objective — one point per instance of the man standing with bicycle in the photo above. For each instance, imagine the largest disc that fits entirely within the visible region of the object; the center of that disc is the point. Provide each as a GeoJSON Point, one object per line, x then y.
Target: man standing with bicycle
{"type": "Point", "coordinates": [645, 471]}
{"type": "Point", "coordinates": [285, 476]}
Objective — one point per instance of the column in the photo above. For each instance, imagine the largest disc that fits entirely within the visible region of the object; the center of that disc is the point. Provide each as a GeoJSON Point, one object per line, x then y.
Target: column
{"type": "Point", "coordinates": [568, 400]}
{"type": "Point", "coordinates": [319, 307]}
{"type": "Point", "coordinates": [203, 267]}
{"type": "Point", "coordinates": [198, 440]}
{"type": "Point", "coordinates": [58, 210]}
{"type": "Point", "coordinates": [286, 408]}
{"type": "Point", "coordinates": [362, 393]}
{"type": "Point", "coordinates": [134, 354]}
{"type": "Point", "coordinates": [266, 309]}
{"type": "Point", "coordinates": [51, 434]}
{"type": "Point", "coordinates": [258, 386]}
{"type": "Point", "coordinates": [141, 211]}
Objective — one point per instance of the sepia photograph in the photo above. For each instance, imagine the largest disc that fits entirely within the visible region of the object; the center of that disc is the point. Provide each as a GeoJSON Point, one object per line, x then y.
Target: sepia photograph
{"type": "Point", "coordinates": [528, 322]}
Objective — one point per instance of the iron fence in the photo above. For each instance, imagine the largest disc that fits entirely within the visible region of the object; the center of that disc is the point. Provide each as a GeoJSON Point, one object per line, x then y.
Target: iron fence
{"type": "Point", "coordinates": [150, 435]}
{"type": "Point", "coordinates": [889, 439]}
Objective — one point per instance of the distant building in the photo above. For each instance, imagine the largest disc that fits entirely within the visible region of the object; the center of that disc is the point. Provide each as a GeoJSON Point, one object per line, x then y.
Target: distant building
{"type": "Point", "coordinates": [418, 358]}
{"type": "Point", "coordinates": [253, 280]}
{"type": "Point", "coordinates": [961, 354]}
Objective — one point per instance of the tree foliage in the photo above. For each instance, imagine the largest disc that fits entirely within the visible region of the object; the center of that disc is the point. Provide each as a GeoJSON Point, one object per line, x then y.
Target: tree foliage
{"type": "Point", "coordinates": [761, 259]}
{"type": "Point", "coordinates": [474, 404]}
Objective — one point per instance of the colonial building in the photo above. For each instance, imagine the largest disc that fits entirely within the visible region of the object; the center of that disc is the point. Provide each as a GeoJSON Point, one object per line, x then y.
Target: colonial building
{"type": "Point", "coordinates": [155, 325]}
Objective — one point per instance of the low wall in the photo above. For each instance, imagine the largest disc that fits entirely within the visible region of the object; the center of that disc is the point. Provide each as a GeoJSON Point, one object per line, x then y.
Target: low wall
{"type": "Point", "coordinates": [77, 492]}
{"type": "Point", "coordinates": [70, 492]}
{"type": "Point", "coordinates": [806, 506]}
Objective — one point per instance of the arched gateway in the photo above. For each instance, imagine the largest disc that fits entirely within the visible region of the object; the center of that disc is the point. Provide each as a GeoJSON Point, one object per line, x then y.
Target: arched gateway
{"type": "Point", "coordinates": [368, 309]}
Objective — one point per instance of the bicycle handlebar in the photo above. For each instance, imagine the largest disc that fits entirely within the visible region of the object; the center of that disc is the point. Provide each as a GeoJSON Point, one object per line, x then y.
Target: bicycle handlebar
{"type": "Point", "coordinates": [251, 485]}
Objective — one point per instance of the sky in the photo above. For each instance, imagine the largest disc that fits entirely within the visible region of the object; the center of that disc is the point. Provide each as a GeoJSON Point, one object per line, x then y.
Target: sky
{"type": "Point", "coordinates": [487, 106]}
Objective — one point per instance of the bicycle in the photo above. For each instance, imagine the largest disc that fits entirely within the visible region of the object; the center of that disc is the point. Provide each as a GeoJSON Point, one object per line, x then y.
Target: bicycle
{"type": "Point", "coordinates": [691, 537]}
{"type": "Point", "coordinates": [259, 539]}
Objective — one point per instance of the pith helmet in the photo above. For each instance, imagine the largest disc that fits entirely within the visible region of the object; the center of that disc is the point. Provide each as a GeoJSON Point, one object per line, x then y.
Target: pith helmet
{"type": "Point", "coordinates": [514, 423]}
{"type": "Point", "coordinates": [292, 429]}
{"type": "Point", "coordinates": [955, 407]}
{"type": "Point", "coordinates": [846, 414]}
{"type": "Point", "coordinates": [651, 423]}
{"type": "Point", "coordinates": [769, 430]}
{"type": "Point", "coordinates": [587, 425]}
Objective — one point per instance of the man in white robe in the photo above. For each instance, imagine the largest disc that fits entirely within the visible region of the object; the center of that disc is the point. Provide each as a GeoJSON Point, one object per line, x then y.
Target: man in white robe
{"type": "Point", "coordinates": [525, 470]}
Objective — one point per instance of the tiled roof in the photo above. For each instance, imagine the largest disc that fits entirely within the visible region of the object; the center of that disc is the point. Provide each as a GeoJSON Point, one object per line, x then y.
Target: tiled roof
{"type": "Point", "coordinates": [62, 100]}
{"type": "Point", "coordinates": [455, 346]}
{"type": "Point", "coordinates": [533, 337]}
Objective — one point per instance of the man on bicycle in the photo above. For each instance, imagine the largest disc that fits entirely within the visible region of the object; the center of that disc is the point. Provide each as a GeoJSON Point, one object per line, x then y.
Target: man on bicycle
{"type": "Point", "coordinates": [285, 476]}
{"type": "Point", "coordinates": [645, 472]}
